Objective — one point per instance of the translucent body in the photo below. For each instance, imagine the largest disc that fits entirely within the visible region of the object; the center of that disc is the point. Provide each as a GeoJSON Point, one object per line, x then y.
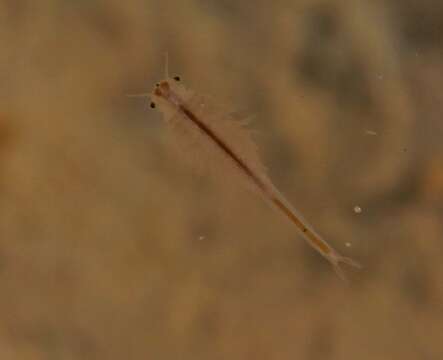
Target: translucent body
{"type": "Point", "coordinates": [211, 136]}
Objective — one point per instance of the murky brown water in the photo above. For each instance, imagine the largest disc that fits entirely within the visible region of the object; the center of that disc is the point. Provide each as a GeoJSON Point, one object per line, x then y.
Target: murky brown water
{"type": "Point", "coordinates": [112, 248]}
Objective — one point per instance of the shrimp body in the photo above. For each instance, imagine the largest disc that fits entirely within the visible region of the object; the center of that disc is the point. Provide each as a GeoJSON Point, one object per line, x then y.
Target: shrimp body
{"type": "Point", "coordinates": [214, 134]}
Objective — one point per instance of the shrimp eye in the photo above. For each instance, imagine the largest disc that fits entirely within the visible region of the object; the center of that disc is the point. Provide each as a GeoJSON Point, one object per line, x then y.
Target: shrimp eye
{"type": "Point", "coordinates": [157, 85]}
{"type": "Point", "coordinates": [152, 105]}
{"type": "Point", "coordinates": [177, 78]}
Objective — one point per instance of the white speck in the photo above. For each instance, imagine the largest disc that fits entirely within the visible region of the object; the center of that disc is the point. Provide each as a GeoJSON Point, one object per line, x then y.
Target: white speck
{"type": "Point", "coordinates": [201, 237]}
{"type": "Point", "coordinates": [357, 209]}
{"type": "Point", "coordinates": [348, 244]}
{"type": "Point", "coordinates": [370, 132]}
{"type": "Point", "coordinates": [380, 77]}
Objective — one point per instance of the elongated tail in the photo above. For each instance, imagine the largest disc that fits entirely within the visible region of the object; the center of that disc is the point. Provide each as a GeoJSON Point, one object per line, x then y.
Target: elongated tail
{"type": "Point", "coordinates": [310, 235]}
{"type": "Point", "coordinates": [336, 260]}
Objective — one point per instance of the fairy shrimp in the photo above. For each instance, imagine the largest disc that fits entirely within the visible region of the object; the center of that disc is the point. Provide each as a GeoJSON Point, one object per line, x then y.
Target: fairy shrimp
{"type": "Point", "coordinates": [218, 139]}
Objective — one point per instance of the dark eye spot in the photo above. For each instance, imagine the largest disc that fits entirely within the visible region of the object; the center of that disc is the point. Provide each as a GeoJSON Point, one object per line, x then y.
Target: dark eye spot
{"type": "Point", "coordinates": [157, 85]}
{"type": "Point", "coordinates": [177, 78]}
{"type": "Point", "coordinates": [152, 105]}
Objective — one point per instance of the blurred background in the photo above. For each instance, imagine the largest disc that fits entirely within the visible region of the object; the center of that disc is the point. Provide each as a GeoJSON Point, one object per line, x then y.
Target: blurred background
{"type": "Point", "coordinates": [112, 248]}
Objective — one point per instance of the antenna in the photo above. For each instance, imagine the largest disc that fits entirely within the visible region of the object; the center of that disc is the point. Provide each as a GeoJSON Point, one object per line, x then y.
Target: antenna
{"type": "Point", "coordinates": [138, 95]}
{"type": "Point", "coordinates": [166, 65]}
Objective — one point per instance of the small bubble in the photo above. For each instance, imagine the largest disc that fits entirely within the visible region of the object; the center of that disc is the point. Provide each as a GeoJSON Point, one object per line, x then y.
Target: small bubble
{"type": "Point", "coordinates": [370, 132]}
{"type": "Point", "coordinates": [357, 209]}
